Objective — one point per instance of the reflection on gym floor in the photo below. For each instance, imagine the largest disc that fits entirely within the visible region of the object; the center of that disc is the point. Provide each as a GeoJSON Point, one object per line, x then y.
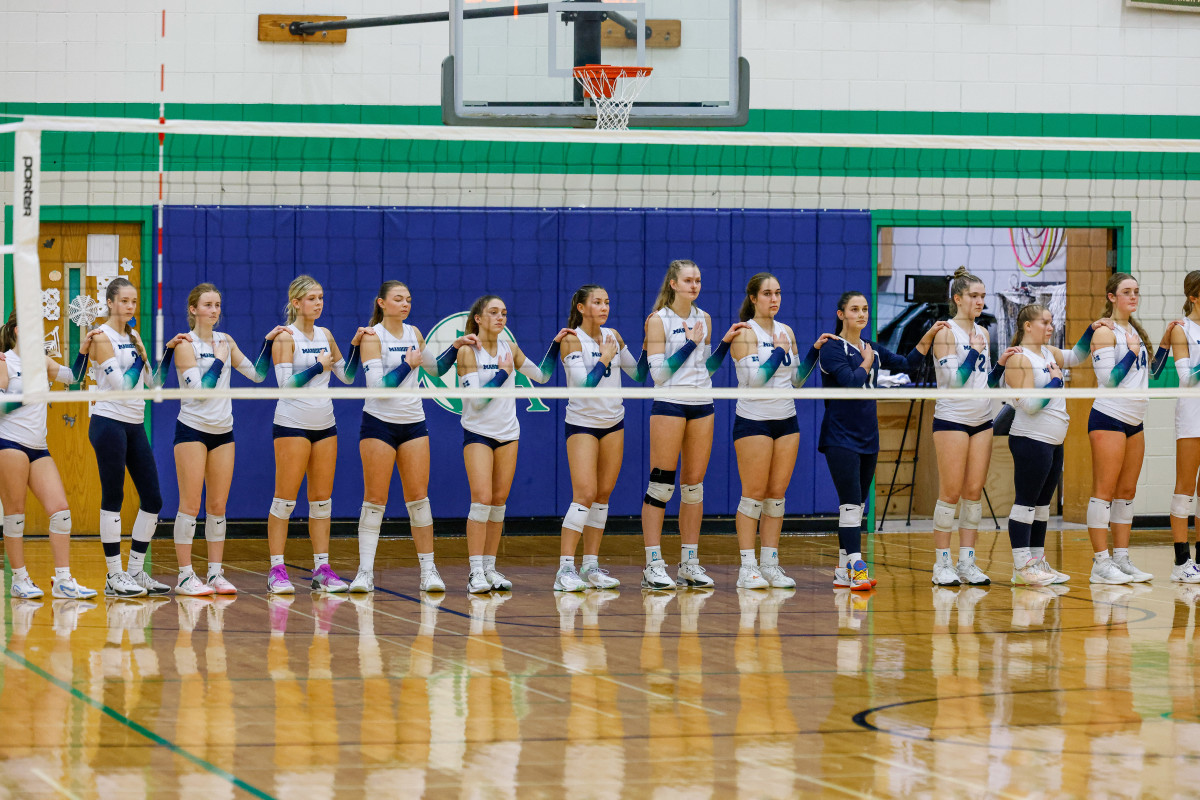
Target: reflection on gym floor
{"type": "Point", "coordinates": [908, 690]}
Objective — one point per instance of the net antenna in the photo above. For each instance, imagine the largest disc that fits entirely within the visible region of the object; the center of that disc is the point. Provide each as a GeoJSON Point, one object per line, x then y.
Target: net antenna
{"type": "Point", "coordinates": [612, 90]}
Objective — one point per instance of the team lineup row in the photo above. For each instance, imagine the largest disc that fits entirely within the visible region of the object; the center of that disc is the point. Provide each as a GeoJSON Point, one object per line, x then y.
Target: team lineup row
{"type": "Point", "coordinates": [677, 353]}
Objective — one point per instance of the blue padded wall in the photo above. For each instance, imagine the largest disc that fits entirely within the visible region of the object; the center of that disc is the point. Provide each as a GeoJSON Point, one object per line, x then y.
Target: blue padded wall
{"type": "Point", "coordinates": [534, 259]}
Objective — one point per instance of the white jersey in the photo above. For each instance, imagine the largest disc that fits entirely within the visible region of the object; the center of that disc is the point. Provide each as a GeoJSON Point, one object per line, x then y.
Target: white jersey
{"type": "Point", "coordinates": [1187, 409]}
{"type": "Point", "coordinates": [498, 419]}
{"type": "Point", "coordinates": [780, 408]}
{"type": "Point", "coordinates": [1131, 411]}
{"type": "Point", "coordinates": [25, 425]}
{"type": "Point", "coordinates": [1050, 424]}
{"type": "Point", "coordinates": [597, 412]}
{"type": "Point", "coordinates": [694, 373]}
{"type": "Point", "coordinates": [392, 352]}
{"type": "Point", "coordinates": [308, 415]}
{"type": "Point", "coordinates": [213, 415]}
{"type": "Point", "coordinates": [111, 377]}
{"type": "Point", "coordinates": [965, 411]}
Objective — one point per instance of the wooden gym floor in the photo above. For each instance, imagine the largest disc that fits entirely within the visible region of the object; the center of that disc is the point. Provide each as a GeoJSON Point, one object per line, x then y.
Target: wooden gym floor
{"type": "Point", "coordinates": [909, 691]}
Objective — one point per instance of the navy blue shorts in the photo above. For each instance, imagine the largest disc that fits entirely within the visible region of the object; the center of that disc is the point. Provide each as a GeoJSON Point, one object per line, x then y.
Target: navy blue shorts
{"type": "Point", "coordinates": [393, 434]}
{"type": "Point", "coordinates": [211, 441]}
{"type": "Point", "coordinates": [475, 438]}
{"type": "Point", "coordinates": [1099, 421]}
{"type": "Point", "coordinates": [969, 430]}
{"type": "Point", "coordinates": [774, 428]}
{"type": "Point", "coordinates": [30, 453]}
{"type": "Point", "coordinates": [688, 412]}
{"type": "Point", "coordinates": [599, 433]}
{"type": "Point", "coordinates": [283, 432]}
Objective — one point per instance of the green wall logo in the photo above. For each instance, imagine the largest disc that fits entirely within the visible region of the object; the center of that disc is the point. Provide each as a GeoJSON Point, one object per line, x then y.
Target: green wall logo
{"type": "Point", "coordinates": [441, 336]}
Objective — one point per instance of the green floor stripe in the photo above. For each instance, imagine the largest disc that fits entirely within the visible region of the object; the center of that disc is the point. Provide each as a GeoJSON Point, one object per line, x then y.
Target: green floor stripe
{"type": "Point", "coordinates": [135, 726]}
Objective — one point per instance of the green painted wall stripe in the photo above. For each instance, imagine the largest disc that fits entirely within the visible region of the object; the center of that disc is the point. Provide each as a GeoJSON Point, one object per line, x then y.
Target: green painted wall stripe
{"type": "Point", "coordinates": [773, 120]}
{"type": "Point", "coordinates": [136, 727]}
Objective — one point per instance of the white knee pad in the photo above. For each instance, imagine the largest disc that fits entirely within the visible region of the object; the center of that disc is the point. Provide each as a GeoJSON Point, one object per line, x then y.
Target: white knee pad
{"type": "Point", "coordinates": [1183, 505]}
{"type": "Point", "coordinates": [110, 526]}
{"type": "Point", "coordinates": [214, 528]}
{"type": "Point", "coordinates": [659, 493]}
{"type": "Point", "coordinates": [320, 509]}
{"type": "Point", "coordinates": [1098, 513]}
{"type": "Point", "coordinates": [60, 523]}
{"type": "Point", "coordinates": [419, 513]}
{"type": "Point", "coordinates": [1024, 514]}
{"type": "Point", "coordinates": [370, 517]}
{"type": "Point", "coordinates": [1122, 512]}
{"type": "Point", "coordinates": [14, 526]}
{"type": "Point", "coordinates": [750, 507]}
{"type": "Point", "coordinates": [943, 517]}
{"type": "Point", "coordinates": [496, 514]}
{"type": "Point", "coordinates": [1041, 513]}
{"type": "Point", "coordinates": [479, 512]}
{"type": "Point", "coordinates": [849, 516]}
{"type": "Point", "coordinates": [597, 516]}
{"type": "Point", "coordinates": [773, 507]}
{"type": "Point", "coordinates": [185, 528]}
{"type": "Point", "coordinates": [691, 493]}
{"type": "Point", "coordinates": [576, 517]}
{"type": "Point", "coordinates": [972, 513]}
{"type": "Point", "coordinates": [282, 509]}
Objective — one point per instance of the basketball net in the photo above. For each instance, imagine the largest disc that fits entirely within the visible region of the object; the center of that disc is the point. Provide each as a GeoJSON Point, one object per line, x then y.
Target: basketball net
{"type": "Point", "coordinates": [613, 90]}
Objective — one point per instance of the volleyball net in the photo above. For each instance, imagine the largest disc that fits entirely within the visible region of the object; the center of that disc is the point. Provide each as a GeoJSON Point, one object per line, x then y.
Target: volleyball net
{"type": "Point", "coordinates": [530, 215]}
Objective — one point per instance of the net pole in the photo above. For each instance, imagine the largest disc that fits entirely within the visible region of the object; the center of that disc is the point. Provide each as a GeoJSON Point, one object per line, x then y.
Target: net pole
{"type": "Point", "coordinates": [27, 268]}
{"type": "Point", "coordinates": [162, 121]}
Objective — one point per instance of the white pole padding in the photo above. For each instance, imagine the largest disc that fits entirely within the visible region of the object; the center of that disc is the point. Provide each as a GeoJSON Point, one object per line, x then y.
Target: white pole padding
{"type": "Point", "coordinates": [27, 270]}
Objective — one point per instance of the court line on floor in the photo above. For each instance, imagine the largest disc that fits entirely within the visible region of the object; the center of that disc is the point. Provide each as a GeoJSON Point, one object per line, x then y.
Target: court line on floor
{"type": "Point", "coordinates": [940, 776]}
{"type": "Point", "coordinates": [835, 787]}
{"type": "Point", "coordinates": [506, 648]}
{"type": "Point", "coordinates": [135, 726]}
{"type": "Point", "coordinates": [54, 784]}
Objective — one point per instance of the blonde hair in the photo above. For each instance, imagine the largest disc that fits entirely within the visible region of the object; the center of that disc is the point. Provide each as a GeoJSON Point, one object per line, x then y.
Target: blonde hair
{"type": "Point", "coordinates": [960, 283]}
{"type": "Point", "coordinates": [194, 297]}
{"type": "Point", "coordinates": [1111, 287]}
{"type": "Point", "coordinates": [666, 294]}
{"type": "Point", "coordinates": [297, 290]}
{"type": "Point", "coordinates": [1027, 314]}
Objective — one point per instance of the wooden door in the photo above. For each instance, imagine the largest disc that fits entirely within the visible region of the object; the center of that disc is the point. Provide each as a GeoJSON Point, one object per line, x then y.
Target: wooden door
{"type": "Point", "coordinates": [64, 256]}
{"type": "Point", "coordinates": [1088, 271]}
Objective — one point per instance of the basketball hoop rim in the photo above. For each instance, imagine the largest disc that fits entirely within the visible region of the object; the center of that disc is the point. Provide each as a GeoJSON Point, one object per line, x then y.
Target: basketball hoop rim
{"type": "Point", "coordinates": [605, 76]}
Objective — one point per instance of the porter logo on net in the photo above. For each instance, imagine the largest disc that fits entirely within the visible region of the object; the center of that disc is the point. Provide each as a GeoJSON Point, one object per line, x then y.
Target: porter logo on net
{"type": "Point", "coordinates": [28, 201]}
{"type": "Point", "coordinates": [441, 336]}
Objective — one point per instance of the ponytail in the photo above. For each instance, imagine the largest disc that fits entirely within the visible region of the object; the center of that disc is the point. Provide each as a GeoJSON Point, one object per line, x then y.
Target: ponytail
{"type": "Point", "coordinates": [666, 294]}
{"type": "Point", "coordinates": [1191, 288]}
{"type": "Point", "coordinates": [297, 289]}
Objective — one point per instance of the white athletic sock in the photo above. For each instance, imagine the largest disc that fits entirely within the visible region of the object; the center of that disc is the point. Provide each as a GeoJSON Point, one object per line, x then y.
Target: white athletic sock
{"type": "Point", "coordinates": [476, 563]}
{"type": "Point", "coordinates": [214, 568]}
{"type": "Point", "coordinates": [851, 558]}
{"type": "Point", "coordinates": [113, 564]}
{"type": "Point", "coordinates": [21, 574]}
{"type": "Point", "coordinates": [966, 555]}
{"type": "Point", "coordinates": [319, 559]}
{"type": "Point", "coordinates": [748, 559]}
{"type": "Point", "coordinates": [276, 561]}
{"type": "Point", "coordinates": [136, 561]}
{"type": "Point", "coordinates": [426, 561]}
{"type": "Point", "coordinates": [943, 554]}
{"type": "Point", "coordinates": [1021, 556]}
{"type": "Point", "coordinates": [653, 554]}
{"type": "Point", "coordinates": [185, 573]}
{"type": "Point", "coordinates": [489, 563]}
{"type": "Point", "coordinates": [689, 554]}
{"type": "Point", "coordinates": [1037, 552]}
{"type": "Point", "coordinates": [62, 573]}
{"type": "Point", "coordinates": [566, 561]}
{"type": "Point", "coordinates": [769, 556]}
{"type": "Point", "coordinates": [591, 561]}
{"type": "Point", "coordinates": [1120, 551]}
{"type": "Point", "coordinates": [1101, 556]}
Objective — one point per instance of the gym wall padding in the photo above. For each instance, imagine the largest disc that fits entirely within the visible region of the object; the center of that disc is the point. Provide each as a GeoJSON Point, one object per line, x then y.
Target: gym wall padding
{"type": "Point", "coordinates": [534, 259]}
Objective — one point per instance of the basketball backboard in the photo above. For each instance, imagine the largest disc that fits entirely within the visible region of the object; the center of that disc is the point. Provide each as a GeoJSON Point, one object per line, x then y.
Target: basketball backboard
{"type": "Point", "coordinates": [510, 63]}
